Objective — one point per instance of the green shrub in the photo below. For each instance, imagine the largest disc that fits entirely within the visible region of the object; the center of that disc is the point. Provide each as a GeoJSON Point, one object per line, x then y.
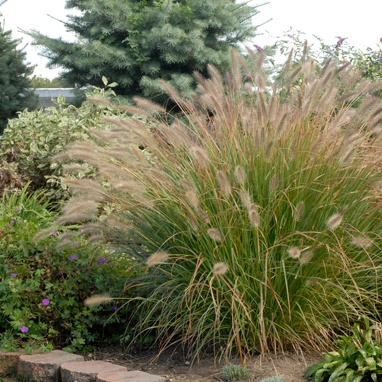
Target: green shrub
{"type": "Point", "coordinates": [359, 358]}
{"type": "Point", "coordinates": [44, 287]}
{"type": "Point", "coordinates": [233, 372]}
{"type": "Point", "coordinates": [31, 140]}
{"type": "Point", "coordinates": [259, 220]}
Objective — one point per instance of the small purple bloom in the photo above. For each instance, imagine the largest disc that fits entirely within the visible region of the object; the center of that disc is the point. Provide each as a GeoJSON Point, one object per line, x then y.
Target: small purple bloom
{"type": "Point", "coordinates": [380, 40]}
{"type": "Point", "coordinates": [24, 329]}
{"type": "Point", "coordinates": [9, 226]}
{"type": "Point", "coordinates": [290, 36]}
{"type": "Point", "coordinates": [363, 71]}
{"type": "Point", "coordinates": [73, 257]}
{"type": "Point", "coordinates": [18, 209]}
{"type": "Point", "coordinates": [14, 274]}
{"type": "Point", "coordinates": [248, 76]}
{"type": "Point", "coordinates": [259, 48]}
{"type": "Point", "coordinates": [77, 244]}
{"type": "Point", "coordinates": [102, 260]}
{"type": "Point", "coordinates": [115, 308]}
{"type": "Point", "coordinates": [109, 261]}
{"type": "Point", "coordinates": [340, 40]}
{"type": "Point", "coordinates": [45, 301]}
{"type": "Point", "coordinates": [12, 222]}
{"type": "Point", "coordinates": [54, 234]}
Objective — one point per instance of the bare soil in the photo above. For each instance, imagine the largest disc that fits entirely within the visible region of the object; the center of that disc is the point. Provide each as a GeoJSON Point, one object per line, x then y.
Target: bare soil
{"type": "Point", "coordinates": [172, 365]}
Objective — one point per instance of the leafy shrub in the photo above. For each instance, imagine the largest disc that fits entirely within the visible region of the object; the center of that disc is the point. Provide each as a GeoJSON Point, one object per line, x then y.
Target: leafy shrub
{"type": "Point", "coordinates": [258, 217]}
{"type": "Point", "coordinates": [233, 372]}
{"type": "Point", "coordinates": [31, 140]}
{"type": "Point", "coordinates": [44, 286]}
{"type": "Point", "coordinates": [359, 358]}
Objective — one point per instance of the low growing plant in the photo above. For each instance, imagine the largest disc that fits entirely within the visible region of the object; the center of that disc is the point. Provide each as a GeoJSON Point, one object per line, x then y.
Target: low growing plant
{"type": "Point", "coordinates": [359, 358]}
{"type": "Point", "coordinates": [233, 372]}
{"type": "Point", "coordinates": [258, 217]}
{"type": "Point", "coordinates": [44, 287]}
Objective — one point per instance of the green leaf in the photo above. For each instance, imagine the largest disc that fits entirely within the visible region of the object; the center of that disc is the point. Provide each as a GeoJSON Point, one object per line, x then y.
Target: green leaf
{"type": "Point", "coordinates": [104, 80]}
{"type": "Point", "coordinates": [338, 371]}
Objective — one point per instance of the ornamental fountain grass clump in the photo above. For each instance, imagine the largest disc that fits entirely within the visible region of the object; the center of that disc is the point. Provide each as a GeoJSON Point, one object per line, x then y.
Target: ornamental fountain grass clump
{"type": "Point", "coordinates": [257, 211]}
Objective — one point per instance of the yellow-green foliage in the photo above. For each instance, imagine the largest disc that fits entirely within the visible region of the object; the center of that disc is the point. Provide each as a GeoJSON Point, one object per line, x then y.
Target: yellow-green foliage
{"type": "Point", "coordinates": [257, 214]}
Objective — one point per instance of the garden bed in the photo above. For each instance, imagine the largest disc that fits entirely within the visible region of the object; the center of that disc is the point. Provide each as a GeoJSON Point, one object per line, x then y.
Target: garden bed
{"type": "Point", "coordinates": [174, 366]}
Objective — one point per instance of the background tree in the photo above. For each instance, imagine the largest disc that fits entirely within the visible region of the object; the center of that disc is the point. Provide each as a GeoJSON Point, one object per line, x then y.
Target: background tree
{"type": "Point", "coordinates": [14, 81]}
{"type": "Point", "coordinates": [137, 43]}
{"type": "Point", "coordinates": [42, 82]}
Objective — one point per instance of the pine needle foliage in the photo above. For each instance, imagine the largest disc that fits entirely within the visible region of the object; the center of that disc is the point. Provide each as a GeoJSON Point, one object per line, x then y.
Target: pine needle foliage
{"type": "Point", "coordinates": [137, 43]}
{"type": "Point", "coordinates": [284, 226]}
{"type": "Point", "coordinates": [14, 81]}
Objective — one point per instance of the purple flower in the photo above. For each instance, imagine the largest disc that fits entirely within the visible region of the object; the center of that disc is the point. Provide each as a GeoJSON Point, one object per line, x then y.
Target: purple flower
{"type": "Point", "coordinates": [14, 274]}
{"type": "Point", "coordinates": [102, 260]}
{"type": "Point", "coordinates": [363, 71]}
{"type": "Point", "coordinates": [12, 222]}
{"type": "Point", "coordinates": [248, 76]}
{"type": "Point", "coordinates": [259, 48]}
{"type": "Point", "coordinates": [77, 244]}
{"type": "Point", "coordinates": [380, 40]}
{"type": "Point", "coordinates": [24, 329]}
{"type": "Point", "coordinates": [9, 226]}
{"type": "Point", "coordinates": [109, 261]}
{"type": "Point", "coordinates": [18, 209]}
{"type": "Point", "coordinates": [45, 301]}
{"type": "Point", "coordinates": [73, 257]}
{"type": "Point", "coordinates": [115, 308]}
{"type": "Point", "coordinates": [54, 234]}
{"type": "Point", "coordinates": [340, 40]}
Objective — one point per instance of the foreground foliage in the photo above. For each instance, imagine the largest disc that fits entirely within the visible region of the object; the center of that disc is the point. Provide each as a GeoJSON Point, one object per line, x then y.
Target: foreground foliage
{"type": "Point", "coordinates": [257, 214]}
{"type": "Point", "coordinates": [44, 286]}
{"type": "Point", "coordinates": [359, 358]}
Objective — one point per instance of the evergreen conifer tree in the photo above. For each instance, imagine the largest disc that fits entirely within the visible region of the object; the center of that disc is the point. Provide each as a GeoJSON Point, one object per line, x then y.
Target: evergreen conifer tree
{"type": "Point", "coordinates": [15, 94]}
{"type": "Point", "coordinates": [138, 42]}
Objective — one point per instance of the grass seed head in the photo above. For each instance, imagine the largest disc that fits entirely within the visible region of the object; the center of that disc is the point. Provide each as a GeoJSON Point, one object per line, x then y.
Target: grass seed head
{"type": "Point", "coordinates": [98, 299]}
{"type": "Point", "coordinates": [334, 221]}
{"type": "Point", "coordinates": [220, 268]}
{"type": "Point", "coordinates": [253, 215]}
{"type": "Point", "coordinates": [214, 234]}
{"type": "Point", "coordinates": [157, 258]}
{"type": "Point", "coordinates": [294, 253]}
{"type": "Point", "coordinates": [362, 241]}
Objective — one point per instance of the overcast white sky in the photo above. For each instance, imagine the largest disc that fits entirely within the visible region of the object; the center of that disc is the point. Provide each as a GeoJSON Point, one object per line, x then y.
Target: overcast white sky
{"type": "Point", "coordinates": [360, 22]}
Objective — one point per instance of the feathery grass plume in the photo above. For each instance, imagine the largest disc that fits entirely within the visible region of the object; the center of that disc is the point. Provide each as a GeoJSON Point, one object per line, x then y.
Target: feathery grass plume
{"type": "Point", "coordinates": [223, 182]}
{"type": "Point", "coordinates": [294, 253]}
{"type": "Point", "coordinates": [112, 222]}
{"type": "Point", "coordinates": [334, 221]}
{"type": "Point", "coordinates": [157, 258]}
{"type": "Point", "coordinates": [220, 268]}
{"type": "Point", "coordinates": [193, 222]}
{"type": "Point", "coordinates": [346, 159]}
{"type": "Point", "coordinates": [159, 175]}
{"type": "Point", "coordinates": [186, 184]}
{"type": "Point", "coordinates": [192, 199]}
{"type": "Point", "coordinates": [74, 167]}
{"type": "Point", "coordinates": [306, 257]}
{"type": "Point", "coordinates": [80, 206]}
{"type": "Point", "coordinates": [362, 241]}
{"type": "Point", "coordinates": [98, 299]}
{"type": "Point", "coordinates": [44, 233]}
{"type": "Point", "coordinates": [129, 186]}
{"type": "Point", "coordinates": [96, 238]}
{"type": "Point", "coordinates": [299, 210]}
{"type": "Point", "coordinates": [273, 184]}
{"type": "Point", "coordinates": [65, 244]}
{"type": "Point", "coordinates": [200, 155]}
{"type": "Point", "coordinates": [86, 186]}
{"type": "Point", "coordinates": [214, 234]}
{"type": "Point", "coordinates": [253, 215]}
{"type": "Point", "coordinates": [245, 199]}
{"type": "Point", "coordinates": [240, 174]}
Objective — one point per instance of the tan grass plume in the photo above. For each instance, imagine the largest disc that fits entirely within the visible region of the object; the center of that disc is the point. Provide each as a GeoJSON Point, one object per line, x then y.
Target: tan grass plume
{"type": "Point", "coordinates": [98, 299]}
